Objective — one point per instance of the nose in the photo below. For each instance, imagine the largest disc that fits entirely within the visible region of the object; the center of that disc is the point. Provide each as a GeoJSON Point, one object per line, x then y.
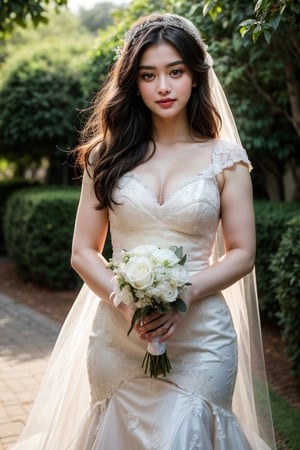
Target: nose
{"type": "Point", "coordinates": [163, 86]}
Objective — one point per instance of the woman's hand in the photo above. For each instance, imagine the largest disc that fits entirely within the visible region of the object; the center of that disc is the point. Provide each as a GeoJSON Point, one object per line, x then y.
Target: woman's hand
{"type": "Point", "coordinates": [127, 311]}
{"type": "Point", "coordinates": [159, 325]}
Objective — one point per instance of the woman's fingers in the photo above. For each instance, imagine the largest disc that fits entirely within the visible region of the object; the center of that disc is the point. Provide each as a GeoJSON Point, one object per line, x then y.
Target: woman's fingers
{"type": "Point", "coordinates": [163, 325]}
{"type": "Point", "coordinates": [168, 333]}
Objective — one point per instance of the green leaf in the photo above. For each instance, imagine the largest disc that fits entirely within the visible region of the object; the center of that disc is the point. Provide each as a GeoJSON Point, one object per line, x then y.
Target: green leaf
{"type": "Point", "coordinates": [244, 30]}
{"type": "Point", "coordinates": [136, 316]}
{"type": "Point", "coordinates": [194, 9]}
{"type": "Point", "coordinates": [248, 23]}
{"type": "Point", "coordinates": [145, 311]}
{"type": "Point", "coordinates": [258, 5]}
{"type": "Point", "coordinates": [178, 251]}
{"type": "Point", "coordinates": [283, 8]}
{"type": "Point", "coordinates": [163, 308]}
{"type": "Point", "coordinates": [215, 12]}
{"type": "Point", "coordinates": [180, 305]}
{"type": "Point", "coordinates": [267, 36]}
{"type": "Point", "coordinates": [207, 7]}
{"type": "Point", "coordinates": [275, 22]}
{"type": "Point", "coordinates": [182, 261]}
{"type": "Point", "coordinates": [257, 29]}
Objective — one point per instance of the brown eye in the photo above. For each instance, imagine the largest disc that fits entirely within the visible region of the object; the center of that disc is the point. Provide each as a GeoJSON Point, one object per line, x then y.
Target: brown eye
{"type": "Point", "coordinates": [176, 73]}
{"type": "Point", "coordinates": [147, 76]}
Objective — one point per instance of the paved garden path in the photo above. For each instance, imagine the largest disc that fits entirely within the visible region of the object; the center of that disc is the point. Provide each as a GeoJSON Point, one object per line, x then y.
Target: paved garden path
{"type": "Point", "coordinates": [26, 341]}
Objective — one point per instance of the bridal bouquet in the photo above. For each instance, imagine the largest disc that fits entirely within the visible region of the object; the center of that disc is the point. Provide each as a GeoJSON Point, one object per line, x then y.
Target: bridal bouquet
{"type": "Point", "coordinates": [152, 278]}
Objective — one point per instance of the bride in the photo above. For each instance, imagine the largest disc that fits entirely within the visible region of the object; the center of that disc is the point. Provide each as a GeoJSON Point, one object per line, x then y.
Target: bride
{"type": "Point", "coordinates": [162, 166]}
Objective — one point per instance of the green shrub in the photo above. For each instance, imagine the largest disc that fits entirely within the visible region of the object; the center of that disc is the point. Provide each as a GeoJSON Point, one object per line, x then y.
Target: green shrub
{"type": "Point", "coordinates": [286, 284]}
{"type": "Point", "coordinates": [38, 227]}
{"type": "Point", "coordinates": [15, 223]}
{"type": "Point", "coordinates": [46, 75]}
{"type": "Point", "coordinates": [271, 223]}
{"type": "Point", "coordinates": [7, 187]}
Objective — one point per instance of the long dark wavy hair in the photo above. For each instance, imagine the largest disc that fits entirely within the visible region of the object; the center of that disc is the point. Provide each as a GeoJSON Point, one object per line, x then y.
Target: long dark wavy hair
{"type": "Point", "coordinates": [116, 137]}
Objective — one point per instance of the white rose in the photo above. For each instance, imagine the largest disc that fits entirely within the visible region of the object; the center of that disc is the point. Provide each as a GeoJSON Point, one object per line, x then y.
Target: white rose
{"type": "Point", "coordinates": [165, 256]}
{"type": "Point", "coordinates": [139, 272]}
{"type": "Point", "coordinates": [168, 292]}
{"type": "Point", "coordinates": [143, 250]}
{"type": "Point", "coordinates": [179, 275]}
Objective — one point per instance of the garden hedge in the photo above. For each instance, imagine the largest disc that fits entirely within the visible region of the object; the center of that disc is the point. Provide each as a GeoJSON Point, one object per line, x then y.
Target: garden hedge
{"type": "Point", "coordinates": [271, 223]}
{"type": "Point", "coordinates": [285, 266]}
{"type": "Point", "coordinates": [7, 187]}
{"type": "Point", "coordinates": [38, 227]}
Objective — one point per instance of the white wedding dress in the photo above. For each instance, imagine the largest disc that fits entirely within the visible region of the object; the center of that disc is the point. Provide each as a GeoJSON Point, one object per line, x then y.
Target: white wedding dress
{"type": "Point", "coordinates": [192, 407]}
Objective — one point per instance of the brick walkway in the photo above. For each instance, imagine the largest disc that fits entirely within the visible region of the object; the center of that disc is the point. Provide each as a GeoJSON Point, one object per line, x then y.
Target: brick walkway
{"type": "Point", "coordinates": [26, 340]}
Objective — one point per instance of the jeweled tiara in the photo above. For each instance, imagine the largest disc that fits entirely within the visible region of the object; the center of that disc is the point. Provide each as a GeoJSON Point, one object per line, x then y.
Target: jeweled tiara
{"type": "Point", "coordinates": [164, 20]}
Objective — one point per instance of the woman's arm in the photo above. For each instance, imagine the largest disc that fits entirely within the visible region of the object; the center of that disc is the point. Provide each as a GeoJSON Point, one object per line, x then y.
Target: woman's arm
{"type": "Point", "coordinates": [89, 236]}
{"type": "Point", "coordinates": [90, 232]}
{"type": "Point", "coordinates": [238, 226]}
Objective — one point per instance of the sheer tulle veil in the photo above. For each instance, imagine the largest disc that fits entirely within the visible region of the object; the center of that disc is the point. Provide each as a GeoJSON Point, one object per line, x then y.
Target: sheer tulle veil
{"type": "Point", "coordinates": [251, 398]}
{"type": "Point", "coordinates": [63, 400]}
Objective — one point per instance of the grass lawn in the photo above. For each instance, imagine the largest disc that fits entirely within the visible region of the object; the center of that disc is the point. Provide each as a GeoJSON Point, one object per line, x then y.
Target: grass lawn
{"type": "Point", "coordinates": [286, 420]}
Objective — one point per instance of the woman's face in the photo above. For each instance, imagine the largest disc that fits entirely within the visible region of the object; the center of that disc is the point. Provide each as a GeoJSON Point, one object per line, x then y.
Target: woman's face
{"type": "Point", "coordinates": [164, 82]}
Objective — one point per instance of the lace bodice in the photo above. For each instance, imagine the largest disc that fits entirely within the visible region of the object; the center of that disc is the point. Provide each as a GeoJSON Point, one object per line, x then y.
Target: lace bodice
{"type": "Point", "coordinates": [189, 216]}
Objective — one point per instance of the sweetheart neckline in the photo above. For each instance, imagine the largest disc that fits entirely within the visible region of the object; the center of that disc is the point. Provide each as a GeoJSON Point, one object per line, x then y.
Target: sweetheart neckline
{"type": "Point", "coordinates": [186, 181]}
{"type": "Point", "coordinates": [216, 166]}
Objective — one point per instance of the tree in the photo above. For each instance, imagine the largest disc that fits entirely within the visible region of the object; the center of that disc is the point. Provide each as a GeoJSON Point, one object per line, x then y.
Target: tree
{"type": "Point", "coordinates": [17, 12]}
{"type": "Point", "coordinates": [39, 102]}
{"type": "Point", "coordinates": [278, 21]}
{"type": "Point", "coordinates": [40, 94]}
{"type": "Point", "coordinates": [98, 17]}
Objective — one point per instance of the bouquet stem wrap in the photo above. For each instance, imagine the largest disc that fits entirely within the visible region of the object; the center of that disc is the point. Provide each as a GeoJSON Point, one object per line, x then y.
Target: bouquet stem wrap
{"type": "Point", "coordinates": [156, 348]}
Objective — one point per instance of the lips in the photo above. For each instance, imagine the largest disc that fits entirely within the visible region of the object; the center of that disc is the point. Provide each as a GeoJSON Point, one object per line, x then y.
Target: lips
{"type": "Point", "coordinates": [166, 102]}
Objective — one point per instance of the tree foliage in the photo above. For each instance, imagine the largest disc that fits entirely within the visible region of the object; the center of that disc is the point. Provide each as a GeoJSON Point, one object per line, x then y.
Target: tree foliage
{"type": "Point", "coordinates": [39, 101]}
{"type": "Point", "coordinates": [18, 13]}
{"type": "Point", "coordinates": [268, 15]}
{"type": "Point", "coordinates": [278, 21]}
{"type": "Point", "coordinates": [40, 94]}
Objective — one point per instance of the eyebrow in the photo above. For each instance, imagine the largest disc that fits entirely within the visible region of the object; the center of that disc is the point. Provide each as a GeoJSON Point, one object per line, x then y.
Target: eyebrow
{"type": "Point", "coordinates": [174, 63]}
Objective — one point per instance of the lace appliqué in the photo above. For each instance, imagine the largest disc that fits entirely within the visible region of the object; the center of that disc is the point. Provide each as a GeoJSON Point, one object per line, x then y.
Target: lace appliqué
{"type": "Point", "coordinates": [219, 430]}
{"type": "Point", "coordinates": [132, 421]}
{"type": "Point", "coordinates": [156, 440]}
{"type": "Point", "coordinates": [195, 443]}
{"type": "Point", "coordinates": [224, 155]}
{"type": "Point", "coordinates": [219, 418]}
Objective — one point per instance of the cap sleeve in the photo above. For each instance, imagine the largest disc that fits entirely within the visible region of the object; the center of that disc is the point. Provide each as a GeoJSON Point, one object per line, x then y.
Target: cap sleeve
{"type": "Point", "coordinates": [225, 154]}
